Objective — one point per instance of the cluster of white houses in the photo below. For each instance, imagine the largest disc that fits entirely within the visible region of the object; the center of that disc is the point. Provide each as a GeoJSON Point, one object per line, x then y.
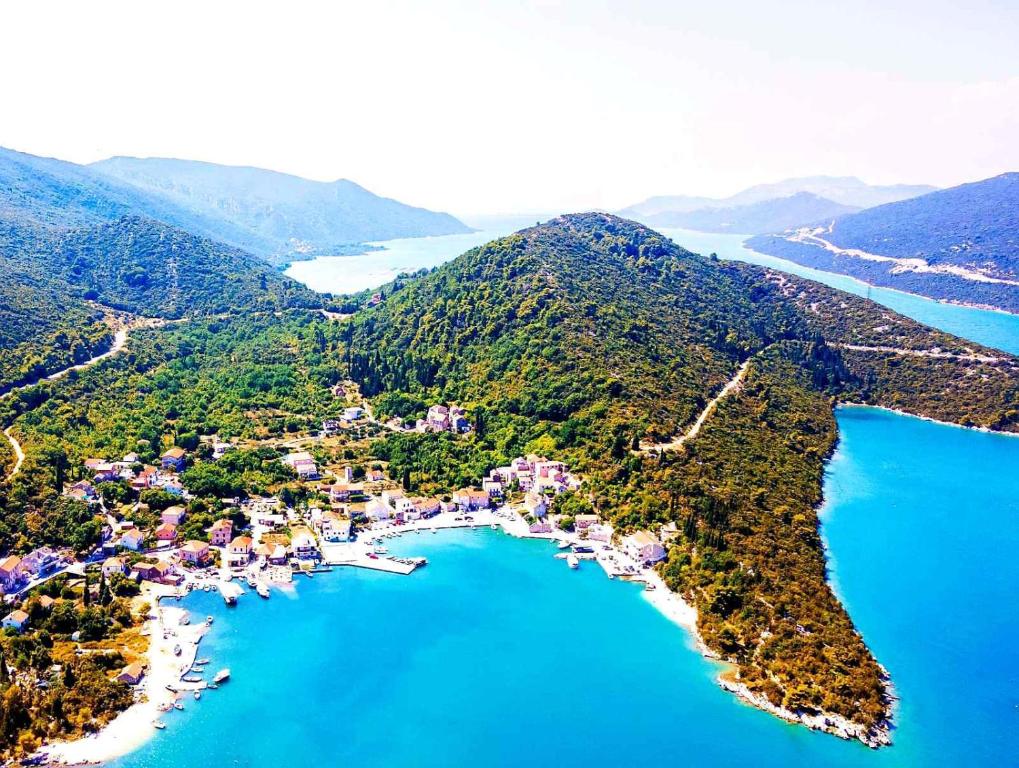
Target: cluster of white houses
{"type": "Point", "coordinates": [163, 477]}
{"type": "Point", "coordinates": [303, 464]}
{"type": "Point", "coordinates": [16, 572]}
{"type": "Point", "coordinates": [439, 418]}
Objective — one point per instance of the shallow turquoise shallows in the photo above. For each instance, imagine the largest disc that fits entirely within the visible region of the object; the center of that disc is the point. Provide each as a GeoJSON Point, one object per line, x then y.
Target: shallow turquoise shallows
{"type": "Point", "coordinates": [496, 654]}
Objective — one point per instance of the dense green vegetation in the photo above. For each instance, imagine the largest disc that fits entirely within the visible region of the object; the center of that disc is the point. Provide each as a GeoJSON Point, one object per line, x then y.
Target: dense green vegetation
{"type": "Point", "coordinates": [149, 268]}
{"type": "Point", "coordinates": [579, 337]}
{"type": "Point", "coordinates": [59, 285]}
{"type": "Point", "coordinates": [44, 326]}
{"type": "Point", "coordinates": [47, 690]}
{"type": "Point", "coordinates": [576, 339]}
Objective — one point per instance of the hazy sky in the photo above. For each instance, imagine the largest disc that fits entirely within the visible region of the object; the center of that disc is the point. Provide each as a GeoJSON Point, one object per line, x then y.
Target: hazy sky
{"type": "Point", "coordinates": [523, 106]}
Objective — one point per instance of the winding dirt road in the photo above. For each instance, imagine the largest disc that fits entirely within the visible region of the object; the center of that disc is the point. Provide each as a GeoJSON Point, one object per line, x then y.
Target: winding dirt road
{"type": "Point", "coordinates": [119, 341]}
{"type": "Point", "coordinates": [677, 442]}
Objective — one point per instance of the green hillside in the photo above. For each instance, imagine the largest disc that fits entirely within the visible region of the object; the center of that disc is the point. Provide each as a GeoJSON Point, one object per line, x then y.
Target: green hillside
{"type": "Point", "coordinates": [588, 334]}
{"type": "Point", "coordinates": [59, 284]}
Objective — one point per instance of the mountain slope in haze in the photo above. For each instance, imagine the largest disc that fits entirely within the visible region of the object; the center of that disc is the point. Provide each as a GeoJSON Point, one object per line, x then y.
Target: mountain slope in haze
{"type": "Point", "coordinates": [584, 337]}
{"type": "Point", "coordinates": [754, 218]}
{"type": "Point", "coordinates": [290, 214]}
{"type": "Point", "coordinates": [959, 244]}
{"type": "Point", "coordinates": [847, 191]}
{"type": "Point", "coordinates": [55, 194]}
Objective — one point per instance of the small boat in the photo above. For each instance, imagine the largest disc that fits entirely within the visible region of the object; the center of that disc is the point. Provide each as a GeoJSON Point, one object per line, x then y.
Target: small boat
{"type": "Point", "coordinates": [494, 526]}
{"type": "Point", "coordinates": [252, 582]}
{"type": "Point", "coordinates": [208, 621]}
{"type": "Point", "coordinates": [164, 707]}
{"type": "Point", "coordinates": [158, 724]}
{"type": "Point", "coordinates": [191, 679]}
{"type": "Point", "coordinates": [379, 550]}
{"type": "Point", "coordinates": [262, 590]}
{"type": "Point", "coordinates": [202, 661]}
{"type": "Point", "coordinates": [572, 560]}
{"type": "Point", "coordinates": [563, 544]}
{"type": "Point", "coordinates": [582, 549]}
{"type": "Point", "coordinates": [434, 530]}
{"type": "Point", "coordinates": [222, 676]}
{"type": "Point", "coordinates": [213, 686]}
{"type": "Point", "coordinates": [185, 620]}
{"type": "Point", "coordinates": [177, 705]}
{"type": "Point", "coordinates": [176, 650]}
{"type": "Point", "coordinates": [198, 695]}
{"type": "Point", "coordinates": [230, 599]}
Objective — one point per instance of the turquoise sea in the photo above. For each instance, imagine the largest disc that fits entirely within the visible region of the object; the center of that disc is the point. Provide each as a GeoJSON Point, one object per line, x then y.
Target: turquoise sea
{"type": "Point", "coordinates": [351, 274]}
{"type": "Point", "coordinates": [496, 654]}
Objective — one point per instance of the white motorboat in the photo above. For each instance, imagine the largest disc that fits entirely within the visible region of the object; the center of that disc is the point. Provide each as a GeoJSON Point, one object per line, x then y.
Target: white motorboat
{"type": "Point", "coordinates": [572, 560]}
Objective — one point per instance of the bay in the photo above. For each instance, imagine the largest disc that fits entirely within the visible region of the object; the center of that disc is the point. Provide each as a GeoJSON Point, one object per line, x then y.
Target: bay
{"type": "Point", "coordinates": [497, 654]}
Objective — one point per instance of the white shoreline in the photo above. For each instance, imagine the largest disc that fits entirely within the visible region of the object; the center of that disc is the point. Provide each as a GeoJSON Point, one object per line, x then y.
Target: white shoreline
{"type": "Point", "coordinates": [985, 430]}
{"type": "Point", "coordinates": [133, 727]}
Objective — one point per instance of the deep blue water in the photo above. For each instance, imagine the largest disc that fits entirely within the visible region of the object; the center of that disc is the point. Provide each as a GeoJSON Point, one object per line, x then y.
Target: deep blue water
{"type": "Point", "coordinates": [496, 654]}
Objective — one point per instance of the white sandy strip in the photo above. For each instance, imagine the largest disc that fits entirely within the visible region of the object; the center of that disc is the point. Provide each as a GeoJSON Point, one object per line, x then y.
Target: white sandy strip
{"type": "Point", "coordinates": [613, 560]}
{"type": "Point", "coordinates": [133, 727]}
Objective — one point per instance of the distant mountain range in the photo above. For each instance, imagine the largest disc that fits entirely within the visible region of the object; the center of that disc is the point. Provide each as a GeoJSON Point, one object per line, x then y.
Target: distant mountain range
{"type": "Point", "coordinates": [959, 244]}
{"type": "Point", "coordinates": [765, 216]}
{"type": "Point", "coordinates": [286, 215]}
{"type": "Point", "coordinates": [769, 207]}
{"type": "Point", "coordinates": [273, 215]}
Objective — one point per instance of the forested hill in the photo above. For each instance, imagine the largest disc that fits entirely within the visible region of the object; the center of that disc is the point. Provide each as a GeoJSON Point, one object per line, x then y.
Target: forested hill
{"type": "Point", "coordinates": [47, 193]}
{"type": "Point", "coordinates": [56, 283]}
{"type": "Point", "coordinates": [958, 244]}
{"type": "Point", "coordinates": [589, 334]}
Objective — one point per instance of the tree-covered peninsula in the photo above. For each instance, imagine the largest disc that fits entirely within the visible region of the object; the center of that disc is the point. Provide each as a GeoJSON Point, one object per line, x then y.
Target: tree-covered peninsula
{"type": "Point", "coordinates": [588, 338]}
{"type": "Point", "coordinates": [593, 337]}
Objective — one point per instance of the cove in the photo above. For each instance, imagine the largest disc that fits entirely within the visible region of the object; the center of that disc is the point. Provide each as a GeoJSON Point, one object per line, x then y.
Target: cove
{"type": "Point", "coordinates": [496, 654]}
{"type": "Point", "coordinates": [351, 274]}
